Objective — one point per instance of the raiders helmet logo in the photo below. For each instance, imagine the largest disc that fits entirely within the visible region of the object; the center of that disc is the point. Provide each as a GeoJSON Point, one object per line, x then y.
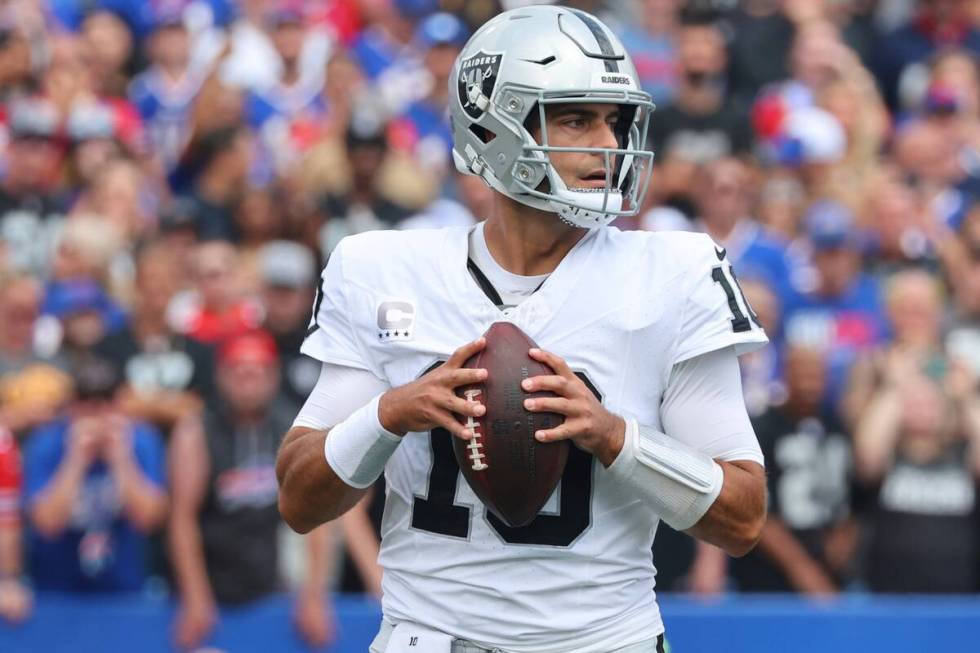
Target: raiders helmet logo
{"type": "Point", "coordinates": [477, 76]}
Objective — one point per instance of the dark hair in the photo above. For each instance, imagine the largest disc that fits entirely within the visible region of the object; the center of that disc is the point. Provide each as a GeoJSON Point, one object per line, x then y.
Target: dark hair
{"type": "Point", "coordinates": [95, 378]}
{"type": "Point", "coordinates": [211, 145]}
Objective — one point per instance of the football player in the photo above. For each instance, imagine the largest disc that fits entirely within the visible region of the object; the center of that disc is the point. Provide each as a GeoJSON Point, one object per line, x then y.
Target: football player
{"type": "Point", "coordinates": [641, 329]}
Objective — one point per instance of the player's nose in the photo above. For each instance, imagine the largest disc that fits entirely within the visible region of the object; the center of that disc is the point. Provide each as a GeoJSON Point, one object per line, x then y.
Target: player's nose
{"type": "Point", "coordinates": [604, 136]}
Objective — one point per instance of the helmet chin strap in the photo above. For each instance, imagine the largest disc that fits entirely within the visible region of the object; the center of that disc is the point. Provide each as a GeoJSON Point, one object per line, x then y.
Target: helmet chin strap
{"type": "Point", "coordinates": [584, 207]}
{"type": "Point", "coordinates": [593, 216]}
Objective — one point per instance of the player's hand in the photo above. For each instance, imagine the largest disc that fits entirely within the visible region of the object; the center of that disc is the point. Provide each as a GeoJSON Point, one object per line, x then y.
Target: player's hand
{"type": "Point", "coordinates": [314, 619]}
{"type": "Point", "coordinates": [587, 422]}
{"type": "Point", "coordinates": [430, 402]}
{"type": "Point", "coordinates": [196, 618]}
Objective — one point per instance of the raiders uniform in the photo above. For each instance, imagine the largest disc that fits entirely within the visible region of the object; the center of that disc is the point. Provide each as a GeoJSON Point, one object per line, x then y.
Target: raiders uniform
{"type": "Point", "coordinates": [622, 309]}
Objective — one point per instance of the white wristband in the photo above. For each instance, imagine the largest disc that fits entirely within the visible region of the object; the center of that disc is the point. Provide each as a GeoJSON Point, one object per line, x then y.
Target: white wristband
{"type": "Point", "coordinates": [358, 448]}
{"type": "Point", "coordinates": [680, 482]}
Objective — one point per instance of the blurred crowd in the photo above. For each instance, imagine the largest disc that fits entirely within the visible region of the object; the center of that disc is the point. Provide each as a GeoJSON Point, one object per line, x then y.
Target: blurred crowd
{"type": "Point", "coordinates": [173, 175]}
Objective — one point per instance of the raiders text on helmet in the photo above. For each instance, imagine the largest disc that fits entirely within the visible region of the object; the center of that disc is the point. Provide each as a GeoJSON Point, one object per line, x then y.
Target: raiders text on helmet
{"type": "Point", "coordinates": [523, 61]}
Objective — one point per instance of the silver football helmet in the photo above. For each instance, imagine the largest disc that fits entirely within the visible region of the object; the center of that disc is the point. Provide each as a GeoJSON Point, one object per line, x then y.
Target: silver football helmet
{"type": "Point", "coordinates": [515, 66]}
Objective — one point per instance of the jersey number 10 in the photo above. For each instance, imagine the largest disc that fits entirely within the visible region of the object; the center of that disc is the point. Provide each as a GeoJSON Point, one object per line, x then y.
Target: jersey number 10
{"type": "Point", "coordinates": [438, 513]}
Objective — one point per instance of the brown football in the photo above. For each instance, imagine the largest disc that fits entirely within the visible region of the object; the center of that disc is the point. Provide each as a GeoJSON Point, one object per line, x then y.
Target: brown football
{"type": "Point", "coordinates": [508, 469]}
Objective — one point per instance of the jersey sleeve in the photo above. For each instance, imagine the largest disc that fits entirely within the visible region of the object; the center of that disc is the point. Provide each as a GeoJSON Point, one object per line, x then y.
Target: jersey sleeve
{"type": "Point", "coordinates": [703, 407]}
{"type": "Point", "coordinates": [331, 337]}
{"type": "Point", "coordinates": [714, 313]}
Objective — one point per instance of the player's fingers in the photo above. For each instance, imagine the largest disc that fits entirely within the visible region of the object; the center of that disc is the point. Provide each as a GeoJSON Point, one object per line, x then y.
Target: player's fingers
{"type": "Point", "coordinates": [555, 362]}
{"type": "Point", "coordinates": [562, 432]}
{"type": "Point", "coordinates": [463, 354]}
{"type": "Point", "coordinates": [558, 405]}
{"type": "Point", "coordinates": [466, 376]}
{"type": "Point", "coordinates": [464, 407]}
{"type": "Point", "coordinates": [449, 422]}
{"type": "Point", "coordinates": [548, 382]}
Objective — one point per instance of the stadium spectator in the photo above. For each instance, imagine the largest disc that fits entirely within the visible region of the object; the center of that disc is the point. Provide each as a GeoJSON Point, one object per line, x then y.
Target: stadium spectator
{"type": "Point", "coordinates": [651, 43]}
{"type": "Point", "coordinates": [93, 490]}
{"type": "Point", "coordinates": [93, 141]}
{"type": "Point", "coordinates": [781, 203]}
{"type": "Point", "coordinates": [15, 62]}
{"type": "Point", "coordinates": [288, 272]}
{"type": "Point", "coordinates": [762, 373]}
{"type": "Point", "coordinates": [963, 334]}
{"type": "Point", "coordinates": [15, 597]}
{"type": "Point", "coordinates": [936, 24]}
{"type": "Point", "coordinates": [164, 92]}
{"type": "Point", "coordinates": [763, 36]}
{"type": "Point", "coordinates": [285, 113]}
{"type": "Point", "coordinates": [899, 223]}
{"type": "Point", "coordinates": [166, 375]}
{"type": "Point", "coordinates": [364, 206]}
{"type": "Point", "coordinates": [30, 211]}
{"type": "Point", "coordinates": [842, 314]}
{"type": "Point", "coordinates": [914, 305]}
{"type": "Point", "coordinates": [701, 123]}
{"type": "Point", "coordinates": [216, 308]}
{"type": "Point", "coordinates": [225, 519]}
{"type": "Point", "coordinates": [724, 203]}
{"type": "Point", "coordinates": [471, 204]}
{"type": "Point", "coordinates": [219, 163]}
{"type": "Point", "coordinates": [916, 452]}
{"type": "Point", "coordinates": [930, 151]}
{"type": "Point", "coordinates": [809, 536]}
{"type": "Point", "coordinates": [110, 44]}
{"type": "Point", "coordinates": [33, 380]}
{"type": "Point", "coordinates": [87, 248]}
{"type": "Point", "coordinates": [85, 315]}
{"type": "Point", "coordinates": [439, 38]}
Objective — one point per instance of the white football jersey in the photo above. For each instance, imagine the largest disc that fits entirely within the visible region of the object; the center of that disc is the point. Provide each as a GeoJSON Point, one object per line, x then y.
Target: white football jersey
{"type": "Point", "coordinates": [622, 308]}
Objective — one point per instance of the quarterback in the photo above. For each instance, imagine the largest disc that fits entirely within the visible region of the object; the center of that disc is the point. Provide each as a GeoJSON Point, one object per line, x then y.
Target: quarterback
{"type": "Point", "coordinates": [642, 331]}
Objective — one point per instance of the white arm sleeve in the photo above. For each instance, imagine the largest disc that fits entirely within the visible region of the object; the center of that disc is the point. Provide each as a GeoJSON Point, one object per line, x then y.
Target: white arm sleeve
{"type": "Point", "coordinates": [703, 407]}
{"type": "Point", "coordinates": [339, 391]}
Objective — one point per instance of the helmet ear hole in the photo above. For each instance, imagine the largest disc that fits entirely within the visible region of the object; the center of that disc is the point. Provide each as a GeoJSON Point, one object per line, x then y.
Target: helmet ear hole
{"type": "Point", "coordinates": [533, 123]}
{"type": "Point", "coordinates": [484, 134]}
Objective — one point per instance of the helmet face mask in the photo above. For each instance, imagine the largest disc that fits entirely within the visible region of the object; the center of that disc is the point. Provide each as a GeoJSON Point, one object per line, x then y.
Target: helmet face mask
{"type": "Point", "coordinates": [498, 94]}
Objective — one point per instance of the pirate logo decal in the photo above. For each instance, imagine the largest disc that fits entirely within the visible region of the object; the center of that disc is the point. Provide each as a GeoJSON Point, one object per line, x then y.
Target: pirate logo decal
{"type": "Point", "coordinates": [477, 76]}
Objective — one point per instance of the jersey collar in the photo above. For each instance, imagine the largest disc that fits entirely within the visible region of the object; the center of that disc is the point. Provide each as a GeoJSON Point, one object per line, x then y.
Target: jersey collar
{"type": "Point", "coordinates": [533, 313]}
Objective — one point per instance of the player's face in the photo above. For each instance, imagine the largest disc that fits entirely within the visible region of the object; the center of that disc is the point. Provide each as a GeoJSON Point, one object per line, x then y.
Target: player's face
{"type": "Point", "coordinates": [581, 125]}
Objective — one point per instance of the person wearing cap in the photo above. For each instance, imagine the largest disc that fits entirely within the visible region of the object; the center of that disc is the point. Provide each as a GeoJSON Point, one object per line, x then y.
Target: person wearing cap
{"type": "Point", "coordinates": [92, 139]}
{"type": "Point", "coordinates": [439, 38]}
{"type": "Point", "coordinates": [840, 310]}
{"type": "Point", "coordinates": [287, 271]}
{"type": "Point", "coordinates": [30, 208]}
{"type": "Point", "coordinates": [94, 489]}
{"type": "Point", "coordinates": [223, 535]}
{"type": "Point", "coordinates": [84, 311]}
